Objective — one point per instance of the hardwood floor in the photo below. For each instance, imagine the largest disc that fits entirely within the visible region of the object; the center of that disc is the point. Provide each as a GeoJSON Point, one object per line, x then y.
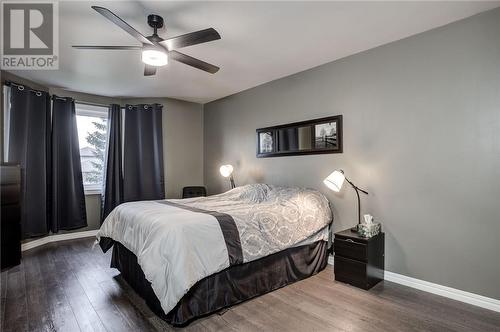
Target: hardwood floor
{"type": "Point", "coordinates": [68, 286]}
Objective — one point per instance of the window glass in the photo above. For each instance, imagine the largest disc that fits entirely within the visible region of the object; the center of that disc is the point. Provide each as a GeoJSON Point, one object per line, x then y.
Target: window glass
{"type": "Point", "coordinates": [92, 126]}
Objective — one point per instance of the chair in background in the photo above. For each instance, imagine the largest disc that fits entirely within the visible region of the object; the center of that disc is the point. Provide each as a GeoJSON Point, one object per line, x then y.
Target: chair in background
{"type": "Point", "coordinates": [194, 191]}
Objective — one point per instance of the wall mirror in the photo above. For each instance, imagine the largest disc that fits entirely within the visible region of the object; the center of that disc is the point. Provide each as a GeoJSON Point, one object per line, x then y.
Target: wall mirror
{"type": "Point", "coordinates": [316, 136]}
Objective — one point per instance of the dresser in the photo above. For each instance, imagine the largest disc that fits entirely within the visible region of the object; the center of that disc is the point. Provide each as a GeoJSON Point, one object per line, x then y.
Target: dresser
{"type": "Point", "coordinates": [359, 261]}
{"type": "Point", "coordinates": [11, 215]}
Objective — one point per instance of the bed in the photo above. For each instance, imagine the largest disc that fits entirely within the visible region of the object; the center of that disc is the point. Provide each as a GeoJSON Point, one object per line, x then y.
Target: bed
{"type": "Point", "coordinates": [192, 257]}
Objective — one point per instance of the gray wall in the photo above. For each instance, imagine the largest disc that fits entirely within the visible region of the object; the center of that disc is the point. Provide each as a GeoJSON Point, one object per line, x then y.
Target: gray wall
{"type": "Point", "coordinates": [421, 134]}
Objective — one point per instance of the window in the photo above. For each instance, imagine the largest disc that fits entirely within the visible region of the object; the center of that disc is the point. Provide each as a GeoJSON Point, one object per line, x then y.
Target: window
{"type": "Point", "coordinates": [6, 121]}
{"type": "Point", "coordinates": [92, 123]}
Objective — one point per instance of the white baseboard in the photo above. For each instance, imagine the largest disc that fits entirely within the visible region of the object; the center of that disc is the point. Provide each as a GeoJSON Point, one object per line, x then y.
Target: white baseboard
{"type": "Point", "coordinates": [451, 293]}
{"type": "Point", "coordinates": [57, 237]}
{"type": "Point", "coordinates": [330, 260]}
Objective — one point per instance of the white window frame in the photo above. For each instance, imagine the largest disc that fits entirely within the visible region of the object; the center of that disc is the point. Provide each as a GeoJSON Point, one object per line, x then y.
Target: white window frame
{"type": "Point", "coordinates": [99, 111]}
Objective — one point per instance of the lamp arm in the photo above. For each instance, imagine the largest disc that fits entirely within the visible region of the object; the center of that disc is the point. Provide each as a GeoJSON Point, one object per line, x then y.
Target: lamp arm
{"type": "Point", "coordinates": [357, 194]}
{"type": "Point", "coordinates": [231, 180]}
{"type": "Point", "coordinates": [356, 187]}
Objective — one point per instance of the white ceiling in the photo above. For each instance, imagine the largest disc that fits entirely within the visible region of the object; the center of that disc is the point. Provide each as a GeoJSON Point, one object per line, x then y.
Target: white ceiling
{"type": "Point", "coordinates": [261, 42]}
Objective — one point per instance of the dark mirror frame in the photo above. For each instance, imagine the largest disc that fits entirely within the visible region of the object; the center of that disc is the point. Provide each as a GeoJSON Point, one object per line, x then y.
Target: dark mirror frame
{"type": "Point", "coordinates": [273, 131]}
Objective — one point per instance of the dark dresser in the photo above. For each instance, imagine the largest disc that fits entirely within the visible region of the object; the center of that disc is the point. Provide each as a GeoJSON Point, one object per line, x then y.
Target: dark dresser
{"type": "Point", "coordinates": [11, 214]}
{"type": "Point", "coordinates": [359, 261]}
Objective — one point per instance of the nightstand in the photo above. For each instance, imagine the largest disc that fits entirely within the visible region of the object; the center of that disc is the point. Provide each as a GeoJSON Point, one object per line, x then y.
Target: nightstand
{"type": "Point", "coordinates": [359, 261]}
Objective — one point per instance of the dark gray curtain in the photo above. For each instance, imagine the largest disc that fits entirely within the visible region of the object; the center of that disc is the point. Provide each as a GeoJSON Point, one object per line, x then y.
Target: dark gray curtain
{"type": "Point", "coordinates": [113, 181]}
{"type": "Point", "coordinates": [143, 153]}
{"type": "Point", "coordinates": [28, 144]}
{"type": "Point", "coordinates": [68, 199]}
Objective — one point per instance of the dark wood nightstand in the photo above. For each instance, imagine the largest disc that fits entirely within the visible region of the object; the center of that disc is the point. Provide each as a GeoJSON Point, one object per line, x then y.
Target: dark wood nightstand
{"type": "Point", "coordinates": [359, 261]}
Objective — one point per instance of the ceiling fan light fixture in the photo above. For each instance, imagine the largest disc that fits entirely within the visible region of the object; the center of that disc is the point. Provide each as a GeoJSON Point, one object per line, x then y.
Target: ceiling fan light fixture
{"type": "Point", "coordinates": [154, 58]}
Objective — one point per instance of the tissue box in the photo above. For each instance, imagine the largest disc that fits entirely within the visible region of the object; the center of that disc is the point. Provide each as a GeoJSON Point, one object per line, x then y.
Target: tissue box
{"type": "Point", "coordinates": [369, 230]}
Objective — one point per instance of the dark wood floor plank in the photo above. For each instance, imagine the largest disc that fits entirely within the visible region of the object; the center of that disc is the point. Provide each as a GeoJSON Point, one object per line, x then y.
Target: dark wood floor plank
{"type": "Point", "coordinates": [261, 317]}
{"type": "Point", "coordinates": [384, 315]}
{"type": "Point", "coordinates": [85, 315]}
{"type": "Point", "coordinates": [15, 311]}
{"type": "Point", "coordinates": [295, 316]}
{"type": "Point", "coordinates": [428, 316]}
{"type": "Point", "coordinates": [2, 312]}
{"type": "Point", "coordinates": [212, 323]}
{"type": "Point", "coordinates": [429, 306]}
{"type": "Point", "coordinates": [133, 316]}
{"type": "Point", "coordinates": [239, 321]}
{"type": "Point", "coordinates": [217, 323]}
{"type": "Point", "coordinates": [457, 314]}
{"type": "Point", "coordinates": [3, 296]}
{"type": "Point", "coordinates": [336, 316]}
{"type": "Point", "coordinates": [113, 320]}
{"type": "Point", "coordinates": [102, 304]}
{"type": "Point", "coordinates": [68, 286]}
{"type": "Point", "coordinates": [54, 281]}
{"type": "Point", "coordinates": [37, 305]}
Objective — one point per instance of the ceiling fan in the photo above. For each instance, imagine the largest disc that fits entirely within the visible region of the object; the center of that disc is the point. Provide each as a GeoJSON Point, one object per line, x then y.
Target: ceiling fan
{"type": "Point", "coordinates": [157, 51]}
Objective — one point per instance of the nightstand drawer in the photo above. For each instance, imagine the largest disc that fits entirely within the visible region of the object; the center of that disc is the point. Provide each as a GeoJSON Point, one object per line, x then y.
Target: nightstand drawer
{"type": "Point", "coordinates": [349, 248]}
{"type": "Point", "coordinates": [350, 271]}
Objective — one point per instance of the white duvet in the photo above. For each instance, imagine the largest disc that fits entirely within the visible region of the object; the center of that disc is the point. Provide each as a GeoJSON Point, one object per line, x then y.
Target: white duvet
{"type": "Point", "coordinates": [176, 247]}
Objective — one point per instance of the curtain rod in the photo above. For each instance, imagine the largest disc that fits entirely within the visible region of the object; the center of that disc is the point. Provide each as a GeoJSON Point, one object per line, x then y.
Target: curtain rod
{"type": "Point", "coordinates": [62, 98]}
{"type": "Point", "coordinates": [40, 92]}
{"type": "Point", "coordinates": [107, 106]}
{"type": "Point", "coordinates": [90, 104]}
{"type": "Point", "coordinates": [22, 87]}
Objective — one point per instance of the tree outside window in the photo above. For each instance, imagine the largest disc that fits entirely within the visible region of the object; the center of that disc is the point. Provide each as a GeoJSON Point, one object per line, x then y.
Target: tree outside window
{"type": "Point", "coordinates": [92, 136]}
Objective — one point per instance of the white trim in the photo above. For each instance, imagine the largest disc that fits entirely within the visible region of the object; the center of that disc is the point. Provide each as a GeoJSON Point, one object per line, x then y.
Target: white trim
{"type": "Point", "coordinates": [91, 191]}
{"type": "Point", "coordinates": [91, 110]}
{"type": "Point", "coordinates": [57, 237]}
{"type": "Point", "coordinates": [451, 293]}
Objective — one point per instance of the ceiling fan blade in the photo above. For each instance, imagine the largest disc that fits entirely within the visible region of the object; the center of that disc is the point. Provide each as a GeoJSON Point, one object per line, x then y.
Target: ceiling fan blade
{"type": "Point", "coordinates": [192, 38]}
{"type": "Point", "coordinates": [85, 47]}
{"type": "Point", "coordinates": [190, 61]}
{"type": "Point", "coordinates": [149, 70]}
{"type": "Point", "coordinates": [122, 24]}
